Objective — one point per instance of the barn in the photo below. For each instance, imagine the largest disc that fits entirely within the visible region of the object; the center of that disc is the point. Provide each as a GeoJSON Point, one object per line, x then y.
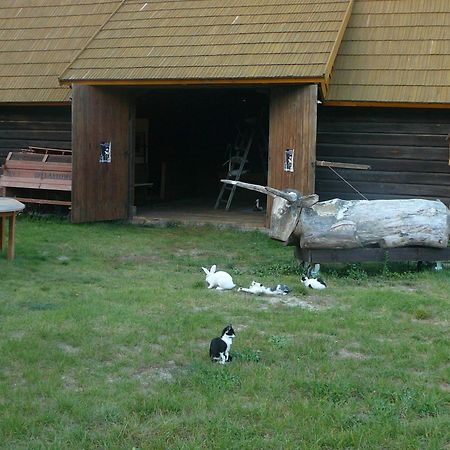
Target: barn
{"type": "Point", "coordinates": [388, 103]}
{"type": "Point", "coordinates": [37, 42]}
{"type": "Point", "coordinates": [167, 89]}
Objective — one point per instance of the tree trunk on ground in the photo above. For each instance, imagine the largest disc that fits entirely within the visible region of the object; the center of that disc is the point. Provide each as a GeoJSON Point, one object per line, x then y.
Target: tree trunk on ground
{"type": "Point", "coordinates": [337, 224]}
{"type": "Point", "coordinates": [363, 223]}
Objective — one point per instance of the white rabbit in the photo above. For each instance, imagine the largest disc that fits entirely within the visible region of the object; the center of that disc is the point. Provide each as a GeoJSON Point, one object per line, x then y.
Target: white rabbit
{"type": "Point", "coordinates": [220, 280]}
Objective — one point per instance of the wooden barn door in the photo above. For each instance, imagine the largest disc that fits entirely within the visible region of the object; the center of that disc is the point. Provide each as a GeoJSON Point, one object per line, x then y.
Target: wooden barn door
{"type": "Point", "coordinates": [292, 138]}
{"type": "Point", "coordinates": [101, 154]}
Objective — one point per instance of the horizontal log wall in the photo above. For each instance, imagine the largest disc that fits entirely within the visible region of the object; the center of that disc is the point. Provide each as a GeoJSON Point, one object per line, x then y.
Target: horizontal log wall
{"type": "Point", "coordinates": [39, 126]}
{"type": "Point", "coordinates": [406, 149]}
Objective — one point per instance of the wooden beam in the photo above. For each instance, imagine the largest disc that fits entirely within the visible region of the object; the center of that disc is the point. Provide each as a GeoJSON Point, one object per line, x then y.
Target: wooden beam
{"type": "Point", "coordinates": [45, 150]}
{"type": "Point", "coordinates": [385, 104]}
{"type": "Point", "coordinates": [353, 255]}
{"type": "Point", "coordinates": [342, 165]}
{"type": "Point", "coordinates": [204, 82]}
{"type": "Point", "coordinates": [43, 201]}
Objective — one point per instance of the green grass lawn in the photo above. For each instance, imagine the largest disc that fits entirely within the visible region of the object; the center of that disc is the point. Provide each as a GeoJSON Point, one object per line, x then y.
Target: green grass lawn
{"type": "Point", "coordinates": [105, 329]}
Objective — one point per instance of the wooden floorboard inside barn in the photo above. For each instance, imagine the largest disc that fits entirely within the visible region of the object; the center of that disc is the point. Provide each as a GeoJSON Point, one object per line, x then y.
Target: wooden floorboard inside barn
{"type": "Point", "coordinates": [195, 214]}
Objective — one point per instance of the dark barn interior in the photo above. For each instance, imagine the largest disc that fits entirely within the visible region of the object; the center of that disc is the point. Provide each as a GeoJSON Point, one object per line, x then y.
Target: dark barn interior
{"type": "Point", "coordinates": [184, 138]}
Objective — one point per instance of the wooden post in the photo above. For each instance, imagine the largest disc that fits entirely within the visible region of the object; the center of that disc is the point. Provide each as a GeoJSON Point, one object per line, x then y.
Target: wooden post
{"type": "Point", "coordinates": [11, 235]}
{"type": "Point", "coordinates": [293, 126]}
{"type": "Point", "coordinates": [2, 231]}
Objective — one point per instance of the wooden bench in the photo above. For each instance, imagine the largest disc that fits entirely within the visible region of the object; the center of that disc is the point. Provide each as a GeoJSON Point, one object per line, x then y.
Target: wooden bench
{"type": "Point", "coordinates": [38, 175]}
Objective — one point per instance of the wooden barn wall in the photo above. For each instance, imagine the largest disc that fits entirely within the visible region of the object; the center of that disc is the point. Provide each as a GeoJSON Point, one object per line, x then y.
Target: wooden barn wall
{"type": "Point", "coordinates": [39, 126]}
{"type": "Point", "coordinates": [100, 190]}
{"type": "Point", "coordinates": [293, 119]}
{"type": "Point", "coordinates": [406, 149]}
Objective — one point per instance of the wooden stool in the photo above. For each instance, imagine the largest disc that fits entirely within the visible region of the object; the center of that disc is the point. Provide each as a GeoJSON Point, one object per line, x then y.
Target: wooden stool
{"type": "Point", "coordinates": [9, 208]}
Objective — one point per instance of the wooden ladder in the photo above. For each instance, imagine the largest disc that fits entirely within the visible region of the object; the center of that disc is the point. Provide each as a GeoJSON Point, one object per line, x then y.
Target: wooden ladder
{"type": "Point", "coordinates": [236, 165]}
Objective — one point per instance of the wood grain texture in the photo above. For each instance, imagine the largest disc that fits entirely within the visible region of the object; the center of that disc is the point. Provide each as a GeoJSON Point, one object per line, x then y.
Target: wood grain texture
{"type": "Point", "coordinates": [406, 149]}
{"type": "Point", "coordinates": [383, 223]}
{"type": "Point", "coordinates": [40, 126]}
{"type": "Point", "coordinates": [293, 124]}
{"type": "Point", "coordinates": [100, 191]}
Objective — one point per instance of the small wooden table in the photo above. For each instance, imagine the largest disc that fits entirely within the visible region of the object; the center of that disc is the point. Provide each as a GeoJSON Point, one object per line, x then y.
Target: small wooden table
{"type": "Point", "coordinates": [9, 207]}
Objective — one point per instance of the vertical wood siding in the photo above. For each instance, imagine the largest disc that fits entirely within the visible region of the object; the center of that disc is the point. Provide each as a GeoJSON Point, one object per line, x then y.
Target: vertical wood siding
{"type": "Point", "coordinates": [39, 126]}
{"type": "Point", "coordinates": [100, 191]}
{"type": "Point", "coordinates": [406, 149]}
{"type": "Point", "coordinates": [293, 117]}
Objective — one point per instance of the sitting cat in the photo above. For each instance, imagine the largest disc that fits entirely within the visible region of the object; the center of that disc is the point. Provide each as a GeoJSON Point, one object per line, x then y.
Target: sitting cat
{"type": "Point", "coordinates": [219, 349]}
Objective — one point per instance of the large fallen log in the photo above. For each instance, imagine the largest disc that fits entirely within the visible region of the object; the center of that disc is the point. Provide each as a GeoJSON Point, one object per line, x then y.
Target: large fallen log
{"type": "Point", "coordinates": [340, 224]}
{"type": "Point", "coordinates": [373, 223]}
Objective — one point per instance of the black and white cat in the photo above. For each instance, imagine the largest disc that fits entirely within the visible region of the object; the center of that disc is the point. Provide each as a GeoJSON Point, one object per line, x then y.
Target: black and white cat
{"type": "Point", "coordinates": [219, 349]}
{"type": "Point", "coordinates": [258, 289]}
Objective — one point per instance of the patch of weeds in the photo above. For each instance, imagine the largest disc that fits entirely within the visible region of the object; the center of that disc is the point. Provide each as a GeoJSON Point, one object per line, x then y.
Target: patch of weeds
{"type": "Point", "coordinates": [357, 273]}
{"type": "Point", "coordinates": [236, 271]}
{"type": "Point", "coordinates": [397, 274]}
{"type": "Point", "coordinates": [247, 354]}
{"type": "Point", "coordinates": [422, 314]}
{"type": "Point", "coordinates": [279, 341]}
{"type": "Point", "coordinates": [226, 379]}
{"type": "Point", "coordinates": [410, 275]}
{"type": "Point", "coordinates": [172, 224]}
{"type": "Point", "coordinates": [278, 269]}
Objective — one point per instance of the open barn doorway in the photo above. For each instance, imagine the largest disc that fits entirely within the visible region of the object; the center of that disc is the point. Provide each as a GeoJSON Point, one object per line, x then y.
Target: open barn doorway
{"type": "Point", "coordinates": [184, 141]}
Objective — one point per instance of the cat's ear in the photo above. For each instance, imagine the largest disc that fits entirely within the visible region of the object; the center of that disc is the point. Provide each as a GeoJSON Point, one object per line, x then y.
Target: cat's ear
{"type": "Point", "coordinates": [205, 270]}
{"type": "Point", "coordinates": [213, 268]}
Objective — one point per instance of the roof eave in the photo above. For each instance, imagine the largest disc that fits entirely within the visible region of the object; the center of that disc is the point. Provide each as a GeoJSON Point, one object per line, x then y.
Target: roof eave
{"type": "Point", "coordinates": [385, 104]}
{"type": "Point", "coordinates": [196, 82]}
{"type": "Point", "coordinates": [31, 103]}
